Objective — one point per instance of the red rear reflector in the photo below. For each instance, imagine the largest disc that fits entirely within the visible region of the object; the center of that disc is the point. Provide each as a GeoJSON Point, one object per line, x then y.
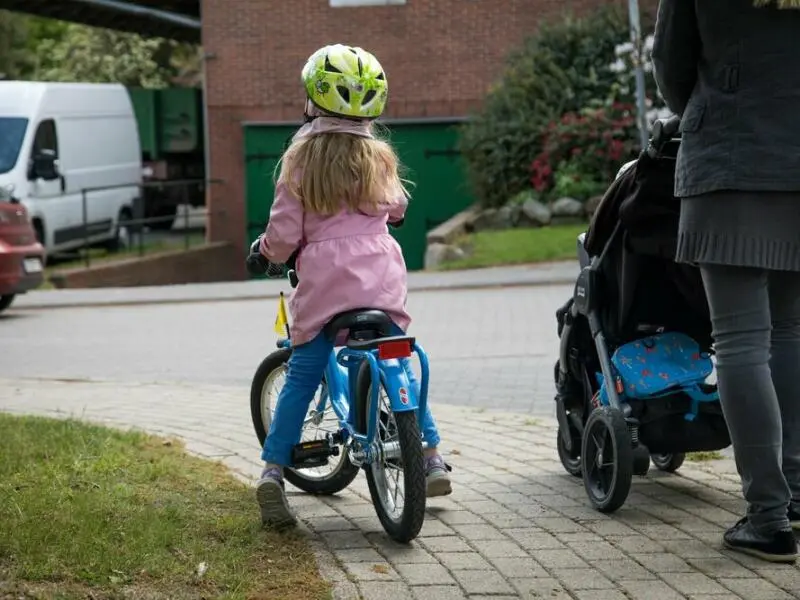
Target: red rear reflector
{"type": "Point", "coordinates": [389, 350]}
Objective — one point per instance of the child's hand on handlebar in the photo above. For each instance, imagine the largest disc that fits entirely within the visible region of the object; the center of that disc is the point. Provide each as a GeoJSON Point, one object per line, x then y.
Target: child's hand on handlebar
{"type": "Point", "coordinates": [258, 264]}
{"type": "Point", "coordinates": [255, 247]}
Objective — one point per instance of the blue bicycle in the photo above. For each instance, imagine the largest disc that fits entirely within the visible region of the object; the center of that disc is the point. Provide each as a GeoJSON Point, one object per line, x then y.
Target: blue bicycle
{"type": "Point", "coordinates": [364, 415]}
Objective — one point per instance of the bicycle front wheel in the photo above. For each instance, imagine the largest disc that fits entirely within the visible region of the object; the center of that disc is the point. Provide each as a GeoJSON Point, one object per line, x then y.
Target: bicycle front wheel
{"type": "Point", "coordinates": [396, 478]}
{"type": "Point", "coordinates": [264, 391]}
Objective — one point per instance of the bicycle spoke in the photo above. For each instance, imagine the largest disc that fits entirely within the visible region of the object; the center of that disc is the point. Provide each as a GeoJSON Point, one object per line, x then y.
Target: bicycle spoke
{"type": "Point", "coordinates": [391, 470]}
{"type": "Point", "coordinates": [311, 431]}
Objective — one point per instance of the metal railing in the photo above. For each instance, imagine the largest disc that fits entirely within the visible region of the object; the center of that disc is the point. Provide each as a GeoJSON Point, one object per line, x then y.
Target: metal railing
{"type": "Point", "coordinates": [144, 231]}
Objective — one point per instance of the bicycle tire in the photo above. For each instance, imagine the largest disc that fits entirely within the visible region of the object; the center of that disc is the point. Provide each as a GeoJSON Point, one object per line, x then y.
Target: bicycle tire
{"type": "Point", "coordinates": [408, 525]}
{"type": "Point", "coordinates": [339, 478]}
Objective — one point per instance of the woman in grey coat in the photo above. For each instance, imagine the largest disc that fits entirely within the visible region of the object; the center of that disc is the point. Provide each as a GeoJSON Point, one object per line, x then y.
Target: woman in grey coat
{"type": "Point", "coordinates": [731, 69]}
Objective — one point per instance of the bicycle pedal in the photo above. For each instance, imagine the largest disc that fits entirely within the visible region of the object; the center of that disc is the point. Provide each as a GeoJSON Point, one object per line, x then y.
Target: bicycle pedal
{"type": "Point", "coordinates": [307, 455]}
{"type": "Point", "coordinates": [311, 463]}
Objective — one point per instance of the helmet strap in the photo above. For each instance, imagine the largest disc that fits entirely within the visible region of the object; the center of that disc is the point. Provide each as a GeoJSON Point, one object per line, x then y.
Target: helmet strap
{"type": "Point", "coordinates": [307, 118]}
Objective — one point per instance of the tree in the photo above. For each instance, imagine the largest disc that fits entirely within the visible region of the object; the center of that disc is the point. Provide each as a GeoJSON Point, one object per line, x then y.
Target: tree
{"type": "Point", "coordinates": [561, 68]}
{"type": "Point", "coordinates": [49, 50]}
{"type": "Point", "coordinates": [16, 61]}
{"type": "Point", "coordinates": [103, 56]}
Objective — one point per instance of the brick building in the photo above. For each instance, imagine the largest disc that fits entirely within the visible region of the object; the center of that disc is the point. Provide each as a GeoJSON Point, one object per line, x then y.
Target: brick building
{"type": "Point", "coordinates": [441, 56]}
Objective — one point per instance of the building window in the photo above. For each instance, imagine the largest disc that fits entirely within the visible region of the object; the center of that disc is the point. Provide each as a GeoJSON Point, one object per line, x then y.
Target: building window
{"type": "Point", "coordinates": [338, 3]}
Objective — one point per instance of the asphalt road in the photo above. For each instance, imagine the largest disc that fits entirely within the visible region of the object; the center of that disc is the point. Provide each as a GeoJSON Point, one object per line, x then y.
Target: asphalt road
{"type": "Point", "coordinates": [490, 348]}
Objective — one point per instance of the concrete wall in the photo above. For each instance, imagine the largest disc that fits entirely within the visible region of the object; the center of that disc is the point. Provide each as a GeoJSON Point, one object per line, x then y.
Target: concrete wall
{"type": "Point", "coordinates": [204, 264]}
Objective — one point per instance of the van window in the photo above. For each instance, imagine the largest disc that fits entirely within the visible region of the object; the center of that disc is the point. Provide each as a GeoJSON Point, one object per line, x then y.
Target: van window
{"type": "Point", "coordinates": [46, 138]}
{"type": "Point", "coordinates": [12, 132]}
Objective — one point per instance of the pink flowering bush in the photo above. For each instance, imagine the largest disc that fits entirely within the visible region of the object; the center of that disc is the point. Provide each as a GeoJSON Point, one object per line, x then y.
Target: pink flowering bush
{"type": "Point", "coordinates": [586, 147]}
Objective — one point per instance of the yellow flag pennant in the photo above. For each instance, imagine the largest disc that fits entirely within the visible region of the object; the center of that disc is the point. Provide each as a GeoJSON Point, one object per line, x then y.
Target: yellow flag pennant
{"type": "Point", "coordinates": [282, 320]}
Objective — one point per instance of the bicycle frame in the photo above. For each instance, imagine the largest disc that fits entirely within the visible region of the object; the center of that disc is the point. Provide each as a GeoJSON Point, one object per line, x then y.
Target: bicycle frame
{"type": "Point", "coordinates": [340, 376]}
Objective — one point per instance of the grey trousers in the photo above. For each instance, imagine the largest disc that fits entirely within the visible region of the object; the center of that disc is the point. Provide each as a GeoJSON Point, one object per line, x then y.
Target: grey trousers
{"type": "Point", "coordinates": [755, 315]}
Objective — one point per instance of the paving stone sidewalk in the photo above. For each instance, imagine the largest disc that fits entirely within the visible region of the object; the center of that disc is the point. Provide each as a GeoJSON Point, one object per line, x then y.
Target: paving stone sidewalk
{"type": "Point", "coordinates": [516, 526]}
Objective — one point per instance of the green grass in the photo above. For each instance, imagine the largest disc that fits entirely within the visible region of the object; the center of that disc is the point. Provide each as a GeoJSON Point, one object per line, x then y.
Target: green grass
{"type": "Point", "coordinates": [517, 246]}
{"type": "Point", "coordinates": [703, 456]}
{"type": "Point", "coordinates": [89, 512]}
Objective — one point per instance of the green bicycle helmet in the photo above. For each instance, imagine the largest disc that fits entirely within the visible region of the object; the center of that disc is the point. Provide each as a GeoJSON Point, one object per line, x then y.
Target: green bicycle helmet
{"type": "Point", "coordinates": [346, 81]}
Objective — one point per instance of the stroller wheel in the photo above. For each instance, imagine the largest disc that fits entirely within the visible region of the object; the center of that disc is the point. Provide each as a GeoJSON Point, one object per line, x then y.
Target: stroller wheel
{"type": "Point", "coordinates": [641, 461]}
{"type": "Point", "coordinates": [570, 459]}
{"type": "Point", "coordinates": [607, 459]}
{"type": "Point", "coordinates": [669, 463]}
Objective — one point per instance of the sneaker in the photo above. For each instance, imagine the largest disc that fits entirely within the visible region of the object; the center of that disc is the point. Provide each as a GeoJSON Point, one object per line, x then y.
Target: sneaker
{"type": "Point", "coordinates": [437, 478]}
{"type": "Point", "coordinates": [778, 547]}
{"type": "Point", "coordinates": [272, 500]}
{"type": "Point", "coordinates": [794, 518]}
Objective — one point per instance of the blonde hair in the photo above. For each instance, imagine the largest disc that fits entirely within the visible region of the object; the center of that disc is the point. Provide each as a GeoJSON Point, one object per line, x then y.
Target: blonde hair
{"type": "Point", "coordinates": [330, 171]}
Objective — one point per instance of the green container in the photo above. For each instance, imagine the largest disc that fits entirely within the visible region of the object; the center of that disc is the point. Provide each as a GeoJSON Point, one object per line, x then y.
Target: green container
{"type": "Point", "coordinates": [180, 120]}
{"type": "Point", "coordinates": [145, 107]}
{"type": "Point", "coordinates": [426, 149]}
{"type": "Point", "coordinates": [170, 120]}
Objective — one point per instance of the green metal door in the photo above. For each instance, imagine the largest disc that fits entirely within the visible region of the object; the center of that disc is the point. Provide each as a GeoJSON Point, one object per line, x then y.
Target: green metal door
{"type": "Point", "coordinates": [263, 148]}
{"type": "Point", "coordinates": [426, 149]}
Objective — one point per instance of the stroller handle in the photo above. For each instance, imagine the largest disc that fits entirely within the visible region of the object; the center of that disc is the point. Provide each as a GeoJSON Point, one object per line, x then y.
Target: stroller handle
{"type": "Point", "coordinates": [664, 131]}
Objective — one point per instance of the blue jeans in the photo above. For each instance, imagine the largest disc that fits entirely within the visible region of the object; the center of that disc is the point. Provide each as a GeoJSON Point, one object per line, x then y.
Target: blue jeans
{"type": "Point", "coordinates": [305, 370]}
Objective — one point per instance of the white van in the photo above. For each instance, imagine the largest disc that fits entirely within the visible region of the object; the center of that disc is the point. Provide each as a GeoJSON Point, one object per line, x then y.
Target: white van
{"type": "Point", "coordinates": [70, 153]}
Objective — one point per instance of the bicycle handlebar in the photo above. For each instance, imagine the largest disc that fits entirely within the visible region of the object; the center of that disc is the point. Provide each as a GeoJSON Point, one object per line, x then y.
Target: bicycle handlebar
{"type": "Point", "coordinates": [257, 264]}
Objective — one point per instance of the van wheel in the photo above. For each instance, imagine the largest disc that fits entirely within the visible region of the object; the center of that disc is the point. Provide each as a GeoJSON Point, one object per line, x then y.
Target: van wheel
{"type": "Point", "coordinates": [122, 237]}
{"type": "Point", "coordinates": [38, 231]}
{"type": "Point", "coordinates": [5, 301]}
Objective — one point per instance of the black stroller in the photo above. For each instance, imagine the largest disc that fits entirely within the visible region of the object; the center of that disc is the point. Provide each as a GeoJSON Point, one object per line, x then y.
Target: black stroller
{"type": "Point", "coordinates": [629, 290]}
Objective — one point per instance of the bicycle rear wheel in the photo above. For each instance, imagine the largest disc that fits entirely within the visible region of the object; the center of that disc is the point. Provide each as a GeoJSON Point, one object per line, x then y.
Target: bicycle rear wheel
{"type": "Point", "coordinates": [396, 478]}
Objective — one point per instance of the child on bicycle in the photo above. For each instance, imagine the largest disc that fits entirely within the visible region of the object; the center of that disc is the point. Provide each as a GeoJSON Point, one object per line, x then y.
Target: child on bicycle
{"type": "Point", "coordinates": [337, 189]}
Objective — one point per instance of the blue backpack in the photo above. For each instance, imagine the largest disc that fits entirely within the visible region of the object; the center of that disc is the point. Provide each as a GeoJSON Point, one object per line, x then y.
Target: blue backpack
{"type": "Point", "coordinates": [661, 365]}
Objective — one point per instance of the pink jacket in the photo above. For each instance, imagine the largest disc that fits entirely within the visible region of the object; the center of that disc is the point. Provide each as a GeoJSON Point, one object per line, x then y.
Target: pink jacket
{"type": "Point", "coordinates": [347, 261]}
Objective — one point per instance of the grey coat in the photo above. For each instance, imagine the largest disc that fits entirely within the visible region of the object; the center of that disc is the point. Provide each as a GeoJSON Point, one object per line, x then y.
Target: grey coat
{"type": "Point", "coordinates": [732, 71]}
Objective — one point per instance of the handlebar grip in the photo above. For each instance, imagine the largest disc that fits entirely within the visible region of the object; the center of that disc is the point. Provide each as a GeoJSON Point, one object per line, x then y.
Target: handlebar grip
{"type": "Point", "coordinates": [274, 270]}
{"type": "Point", "coordinates": [257, 264]}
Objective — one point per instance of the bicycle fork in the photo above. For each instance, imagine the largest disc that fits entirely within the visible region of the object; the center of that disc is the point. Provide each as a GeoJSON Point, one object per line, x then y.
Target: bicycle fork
{"type": "Point", "coordinates": [366, 447]}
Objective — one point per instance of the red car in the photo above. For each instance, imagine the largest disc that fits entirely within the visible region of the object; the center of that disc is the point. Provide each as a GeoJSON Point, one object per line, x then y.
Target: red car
{"type": "Point", "coordinates": [22, 257]}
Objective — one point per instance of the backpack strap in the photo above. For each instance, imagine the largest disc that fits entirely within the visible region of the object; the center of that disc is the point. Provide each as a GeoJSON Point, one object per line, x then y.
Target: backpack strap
{"type": "Point", "coordinates": [696, 393]}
